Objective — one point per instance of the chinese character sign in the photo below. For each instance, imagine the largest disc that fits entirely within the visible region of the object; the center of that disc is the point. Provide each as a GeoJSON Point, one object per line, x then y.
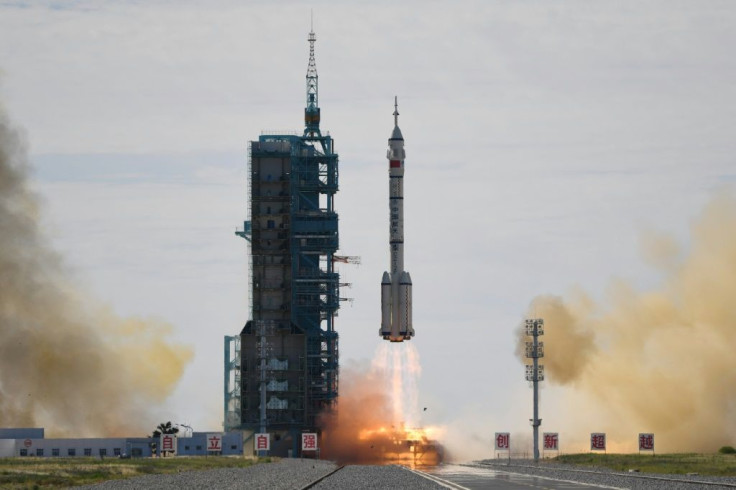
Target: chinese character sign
{"type": "Point", "coordinates": [646, 442]}
{"type": "Point", "coordinates": [168, 443]}
{"type": "Point", "coordinates": [503, 441]}
{"type": "Point", "coordinates": [263, 442]}
{"type": "Point", "coordinates": [597, 441]}
{"type": "Point", "coordinates": [214, 442]}
{"type": "Point", "coordinates": [551, 441]}
{"type": "Point", "coordinates": [309, 442]}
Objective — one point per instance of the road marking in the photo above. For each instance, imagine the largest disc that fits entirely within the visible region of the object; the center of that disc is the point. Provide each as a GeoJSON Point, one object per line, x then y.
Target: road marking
{"type": "Point", "coordinates": [624, 475]}
{"type": "Point", "coordinates": [576, 483]}
{"type": "Point", "coordinates": [438, 480]}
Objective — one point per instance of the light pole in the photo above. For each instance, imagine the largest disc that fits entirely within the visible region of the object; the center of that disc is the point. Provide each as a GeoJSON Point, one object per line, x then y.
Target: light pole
{"type": "Point", "coordinates": [535, 372]}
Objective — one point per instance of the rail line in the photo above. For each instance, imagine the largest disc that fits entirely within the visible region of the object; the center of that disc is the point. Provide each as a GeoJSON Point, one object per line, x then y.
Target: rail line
{"type": "Point", "coordinates": [315, 482]}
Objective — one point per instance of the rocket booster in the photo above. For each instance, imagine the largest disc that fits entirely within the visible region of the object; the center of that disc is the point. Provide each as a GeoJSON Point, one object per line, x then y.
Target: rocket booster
{"type": "Point", "coordinates": [396, 304]}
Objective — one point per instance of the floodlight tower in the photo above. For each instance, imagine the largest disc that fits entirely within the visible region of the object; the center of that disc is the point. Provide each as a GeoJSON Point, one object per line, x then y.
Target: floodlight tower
{"type": "Point", "coordinates": [535, 372]}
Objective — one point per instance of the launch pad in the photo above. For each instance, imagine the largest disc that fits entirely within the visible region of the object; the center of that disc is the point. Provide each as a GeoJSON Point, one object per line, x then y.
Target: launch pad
{"type": "Point", "coordinates": [406, 446]}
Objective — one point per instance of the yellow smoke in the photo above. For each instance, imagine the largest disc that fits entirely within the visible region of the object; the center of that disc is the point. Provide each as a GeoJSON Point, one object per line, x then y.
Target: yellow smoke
{"type": "Point", "coordinates": [661, 361]}
{"type": "Point", "coordinates": [67, 362]}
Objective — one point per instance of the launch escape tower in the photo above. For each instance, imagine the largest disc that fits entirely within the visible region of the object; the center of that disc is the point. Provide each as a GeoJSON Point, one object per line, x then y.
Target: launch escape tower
{"type": "Point", "coordinates": [281, 372]}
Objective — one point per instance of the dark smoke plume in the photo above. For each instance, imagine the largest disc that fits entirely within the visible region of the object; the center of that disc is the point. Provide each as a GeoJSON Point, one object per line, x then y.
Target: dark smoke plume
{"type": "Point", "coordinates": [661, 361]}
{"type": "Point", "coordinates": [67, 362]}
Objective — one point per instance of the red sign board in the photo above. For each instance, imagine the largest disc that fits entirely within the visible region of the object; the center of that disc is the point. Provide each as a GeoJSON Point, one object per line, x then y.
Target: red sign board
{"type": "Point", "coordinates": [598, 441]}
{"type": "Point", "coordinates": [309, 442]}
{"type": "Point", "coordinates": [168, 443]}
{"type": "Point", "coordinates": [646, 442]}
{"type": "Point", "coordinates": [551, 441]}
{"type": "Point", "coordinates": [263, 442]}
{"type": "Point", "coordinates": [214, 442]}
{"type": "Point", "coordinates": [27, 443]}
{"type": "Point", "coordinates": [503, 441]}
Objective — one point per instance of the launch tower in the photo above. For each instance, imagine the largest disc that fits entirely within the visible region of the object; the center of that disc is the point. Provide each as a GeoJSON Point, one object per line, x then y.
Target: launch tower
{"type": "Point", "coordinates": [281, 372]}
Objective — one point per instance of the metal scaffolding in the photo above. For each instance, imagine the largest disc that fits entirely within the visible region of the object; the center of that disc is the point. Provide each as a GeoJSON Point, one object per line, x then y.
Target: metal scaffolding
{"type": "Point", "coordinates": [232, 382]}
{"type": "Point", "coordinates": [288, 351]}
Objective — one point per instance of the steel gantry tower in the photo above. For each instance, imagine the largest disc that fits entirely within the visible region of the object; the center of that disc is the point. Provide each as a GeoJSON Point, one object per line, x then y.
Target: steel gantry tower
{"type": "Point", "coordinates": [285, 371]}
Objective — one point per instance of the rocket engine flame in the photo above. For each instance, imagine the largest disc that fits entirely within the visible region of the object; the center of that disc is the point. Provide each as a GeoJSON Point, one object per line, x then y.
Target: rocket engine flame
{"type": "Point", "coordinates": [401, 370]}
{"type": "Point", "coordinates": [66, 362]}
{"type": "Point", "coordinates": [377, 416]}
{"type": "Point", "coordinates": [657, 361]}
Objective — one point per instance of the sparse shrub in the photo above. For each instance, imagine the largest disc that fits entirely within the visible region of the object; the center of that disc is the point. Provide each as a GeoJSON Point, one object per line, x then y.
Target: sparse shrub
{"type": "Point", "coordinates": [727, 450]}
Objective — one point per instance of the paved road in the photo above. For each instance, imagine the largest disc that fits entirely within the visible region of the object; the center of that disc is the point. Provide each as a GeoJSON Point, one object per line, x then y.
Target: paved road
{"type": "Point", "coordinates": [472, 478]}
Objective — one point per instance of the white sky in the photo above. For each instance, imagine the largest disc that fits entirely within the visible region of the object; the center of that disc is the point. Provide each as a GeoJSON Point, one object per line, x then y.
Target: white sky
{"type": "Point", "coordinates": [541, 138]}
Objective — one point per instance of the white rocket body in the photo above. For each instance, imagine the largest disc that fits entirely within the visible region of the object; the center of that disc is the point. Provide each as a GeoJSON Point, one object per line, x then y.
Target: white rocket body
{"type": "Point", "coordinates": [396, 303]}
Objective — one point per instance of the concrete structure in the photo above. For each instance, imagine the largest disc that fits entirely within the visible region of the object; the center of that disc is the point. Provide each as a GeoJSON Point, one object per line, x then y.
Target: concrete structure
{"type": "Point", "coordinates": [281, 372]}
{"type": "Point", "coordinates": [31, 442]}
{"type": "Point", "coordinates": [396, 301]}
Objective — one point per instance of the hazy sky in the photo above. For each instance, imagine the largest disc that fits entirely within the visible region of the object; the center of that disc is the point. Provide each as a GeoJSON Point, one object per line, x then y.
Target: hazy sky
{"type": "Point", "coordinates": [542, 137]}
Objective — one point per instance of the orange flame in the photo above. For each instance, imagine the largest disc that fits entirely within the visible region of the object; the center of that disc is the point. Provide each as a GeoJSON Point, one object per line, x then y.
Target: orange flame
{"type": "Point", "coordinates": [377, 417]}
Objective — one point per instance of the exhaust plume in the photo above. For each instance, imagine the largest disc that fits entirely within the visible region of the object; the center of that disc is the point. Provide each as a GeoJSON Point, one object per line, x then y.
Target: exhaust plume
{"type": "Point", "coordinates": [659, 361]}
{"type": "Point", "coordinates": [377, 413]}
{"type": "Point", "coordinates": [400, 371]}
{"type": "Point", "coordinates": [364, 403]}
{"type": "Point", "coordinates": [67, 362]}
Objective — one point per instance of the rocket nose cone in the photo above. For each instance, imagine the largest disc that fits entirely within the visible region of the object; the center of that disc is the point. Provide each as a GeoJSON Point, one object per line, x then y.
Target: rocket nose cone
{"type": "Point", "coordinates": [386, 278]}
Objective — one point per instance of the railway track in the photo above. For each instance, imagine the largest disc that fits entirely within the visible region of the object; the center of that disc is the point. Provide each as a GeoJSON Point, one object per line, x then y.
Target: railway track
{"type": "Point", "coordinates": [323, 478]}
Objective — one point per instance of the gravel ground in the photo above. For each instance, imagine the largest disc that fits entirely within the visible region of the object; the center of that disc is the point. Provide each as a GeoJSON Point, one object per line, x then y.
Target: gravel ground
{"type": "Point", "coordinates": [607, 477]}
{"type": "Point", "coordinates": [289, 474]}
{"type": "Point", "coordinates": [286, 474]}
{"type": "Point", "coordinates": [357, 477]}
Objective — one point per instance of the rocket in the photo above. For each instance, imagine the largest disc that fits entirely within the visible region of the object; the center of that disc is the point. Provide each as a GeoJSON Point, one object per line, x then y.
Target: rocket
{"type": "Point", "coordinates": [396, 305]}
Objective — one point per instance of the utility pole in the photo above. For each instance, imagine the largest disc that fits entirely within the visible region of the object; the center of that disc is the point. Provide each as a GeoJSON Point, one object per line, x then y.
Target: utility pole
{"type": "Point", "coordinates": [535, 372]}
